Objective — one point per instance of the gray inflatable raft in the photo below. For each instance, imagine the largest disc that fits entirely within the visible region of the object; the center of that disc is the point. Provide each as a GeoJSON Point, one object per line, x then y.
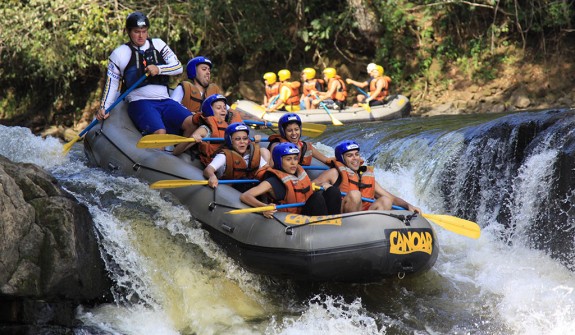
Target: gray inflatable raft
{"type": "Point", "coordinates": [355, 247]}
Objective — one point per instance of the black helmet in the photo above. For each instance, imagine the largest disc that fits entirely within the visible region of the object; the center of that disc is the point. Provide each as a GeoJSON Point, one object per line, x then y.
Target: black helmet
{"type": "Point", "coordinates": [137, 20]}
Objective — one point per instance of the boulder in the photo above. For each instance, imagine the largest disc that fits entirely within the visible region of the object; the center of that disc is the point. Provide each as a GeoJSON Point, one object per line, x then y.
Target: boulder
{"type": "Point", "coordinates": [50, 261]}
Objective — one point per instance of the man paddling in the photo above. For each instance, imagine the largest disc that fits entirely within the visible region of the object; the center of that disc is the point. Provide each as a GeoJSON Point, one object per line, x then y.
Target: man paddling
{"type": "Point", "coordinates": [149, 105]}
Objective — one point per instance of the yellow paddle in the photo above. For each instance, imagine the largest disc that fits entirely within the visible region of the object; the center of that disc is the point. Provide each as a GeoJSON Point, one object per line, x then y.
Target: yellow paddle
{"type": "Point", "coordinates": [366, 107]}
{"type": "Point", "coordinates": [264, 208]}
{"type": "Point", "coordinates": [175, 183]}
{"type": "Point", "coordinates": [454, 224]}
{"type": "Point", "coordinates": [335, 121]}
{"type": "Point", "coordinates": [307, 129]}
{"type": "Point", "coordinates": [162, 140]}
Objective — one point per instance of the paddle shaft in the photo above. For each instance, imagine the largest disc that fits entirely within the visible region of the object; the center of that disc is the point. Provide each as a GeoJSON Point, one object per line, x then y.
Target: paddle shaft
{"type": "Point", "coordinates": [361, 91]}
{"type": "Point", "coordinates": [335, 121]}
{"type": "Point", "coordinates": [128, 91]}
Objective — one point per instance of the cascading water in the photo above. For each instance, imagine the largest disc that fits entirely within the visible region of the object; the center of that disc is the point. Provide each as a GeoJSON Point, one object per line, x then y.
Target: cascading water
{"type": "Point", "coordinates": [511, 174]}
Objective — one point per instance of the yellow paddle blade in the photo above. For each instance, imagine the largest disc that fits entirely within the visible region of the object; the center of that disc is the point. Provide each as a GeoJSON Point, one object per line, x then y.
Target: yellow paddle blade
{"type": "Point", "coordinates": [252, 210]}
{"type": "Point", "coordinates": [162, 140]}
{"type": "Point", "coordinates": [69, 145]}
{"type": "Point", "coordinates": [177, 183]}
{"type": "Point", "coordinates": [456, 225]}
{"type": "Point", "coordinates": [312, 129]}
{"type": "Point", "coordinates": [366, 107]}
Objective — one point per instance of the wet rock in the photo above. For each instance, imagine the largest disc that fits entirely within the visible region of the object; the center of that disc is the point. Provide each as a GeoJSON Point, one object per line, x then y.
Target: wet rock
{"type": "Point", "coordinates": [49, 257]}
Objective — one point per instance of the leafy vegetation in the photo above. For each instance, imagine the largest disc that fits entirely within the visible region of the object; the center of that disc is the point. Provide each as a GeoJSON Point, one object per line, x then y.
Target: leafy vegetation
{"type": "Point", "coordinates": [53, 53]}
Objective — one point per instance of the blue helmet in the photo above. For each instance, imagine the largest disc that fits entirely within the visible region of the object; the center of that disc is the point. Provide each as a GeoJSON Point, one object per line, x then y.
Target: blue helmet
{"type": "Point", "coordinates": [287, 119]}
{"type": "Point", "coordinates": [137, 20]}
{"type": "Point", "coordinates": [344, 147]}
{"type": "Point", "coordinates": [232, 128]}
{"type": "Point", "coordinates": [207, 109]}
{"type": "Point", "coordinates": [283, 149]}
{"type": "Point", "coordinates": [191, 67]}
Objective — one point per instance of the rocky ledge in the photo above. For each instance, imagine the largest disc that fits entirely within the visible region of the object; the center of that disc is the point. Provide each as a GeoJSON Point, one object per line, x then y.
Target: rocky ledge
{"type": "Point", "coordinates": [50, 262]}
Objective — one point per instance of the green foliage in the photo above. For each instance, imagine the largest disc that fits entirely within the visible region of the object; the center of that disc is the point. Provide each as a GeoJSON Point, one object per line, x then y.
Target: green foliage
{"type": "Point", "coordinates": [54, 52]}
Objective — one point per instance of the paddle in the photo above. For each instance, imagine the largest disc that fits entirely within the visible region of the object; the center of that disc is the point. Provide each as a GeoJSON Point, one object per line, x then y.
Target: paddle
{"type": "Point", "coordinates": [364, 106]}
{"type": "Point", "coordinates": [270, 105]}
{"type": "Point", "coordinates": [307, 129]}
{"type": "Point", "coordinates": [162, 140]}
{"type": "Point", "coordinates": [264, 208]}
{"type": "Point", "coordinates": [335, 121]}
{"type": "Point", "coordinates": [448, 222]}
{"type": "Point", "coordinates": [454, 224]}
{"type": "Point", "coordinates": [69, 145]}
{"type": "Point", "coordinates": [175, 183]}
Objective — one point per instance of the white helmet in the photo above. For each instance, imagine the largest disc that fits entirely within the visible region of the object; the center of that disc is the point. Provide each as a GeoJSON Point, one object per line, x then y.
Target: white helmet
{"type": "Point", "coordinates": [371, 67]}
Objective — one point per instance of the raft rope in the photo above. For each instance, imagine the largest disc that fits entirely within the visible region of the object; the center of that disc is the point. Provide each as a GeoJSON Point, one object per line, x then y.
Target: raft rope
{"type": "Point", "coordinates": [136, 166]}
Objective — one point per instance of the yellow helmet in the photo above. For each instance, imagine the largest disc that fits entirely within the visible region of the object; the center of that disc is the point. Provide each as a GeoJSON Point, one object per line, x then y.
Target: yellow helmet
{"type": "Point", "coordinates": [309, 73]}
{"type": "Point", "coordinates": [329, 72]}
{"type": "Point", "coordinates": [270, 77]}
{"type": "Point", "coordinates": [284, 75]}
{"type": "Point", "coordinates": [380, 70]}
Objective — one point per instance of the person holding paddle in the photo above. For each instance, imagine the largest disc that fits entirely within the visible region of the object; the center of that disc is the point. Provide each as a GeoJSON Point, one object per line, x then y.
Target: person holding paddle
{"type": "Point", "coordinates": [310, 86]}
{"type": "Point", "coordinates": [288, 183]}
{"type": "Point", "coordinates": [289, 126]}
{"type": "Point", "coordinates": [272, 89]}
{"type": "Point", "coordinates": [239, 159]}
{"type": "Point", "coordinates": [289, 95]}
{"type": "Point", "coordinates": [378, 86]}
{"type": "Point", "coordinates": [149, 105]}
{"type": "Point", "coordinates": [336, 93]}
{"type": "Point", "coordinates": [357, 181]}
{"type": "Point", "coordinates": [214, 120]}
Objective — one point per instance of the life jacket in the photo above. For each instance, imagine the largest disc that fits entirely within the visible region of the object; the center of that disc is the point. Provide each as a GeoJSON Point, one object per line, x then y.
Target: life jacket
{"type": "Point", "coordinates": [272, 90]}
{"type": "Point", "coordinates": [193, 97]}
{"type": "Point", "coordinates": [341, 93]}
{"type": "Point", "coordinates": [364, 181]}
{"type": "Point", "coordinates": [298, 187]}
{"type": "Point", "coordinates": [209, 150]}
{"type": "Point", "coordinates": [312, 85]}
{"type": "Point", "coordinates": [306, 148]}
{"type": "Point", "coordinates": [294, 95]}
{"type": "Point", "coordinates": [136, 67]}
{"type": "Point", "coordinates": [384, 91]}
{"type": "Point", "coordinates": [236, 166]}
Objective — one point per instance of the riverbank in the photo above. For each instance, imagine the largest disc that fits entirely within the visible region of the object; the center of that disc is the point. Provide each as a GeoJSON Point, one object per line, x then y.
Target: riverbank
{"type": "Point", "coordinates": [523, 82]}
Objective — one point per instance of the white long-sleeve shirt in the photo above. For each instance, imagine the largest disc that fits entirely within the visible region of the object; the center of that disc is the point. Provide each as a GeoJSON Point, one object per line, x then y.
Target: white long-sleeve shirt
{"type": "Point", "coordinates": [117, 63]}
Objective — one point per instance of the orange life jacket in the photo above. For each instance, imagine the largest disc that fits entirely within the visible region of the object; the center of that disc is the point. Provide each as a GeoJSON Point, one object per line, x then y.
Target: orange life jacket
{"type": "Point", "coordinates": [193, 98]}
{"type": "Point", "coordinates": [341, 93]}
{"type": "Point", "coordinates": [272, 90]}
{"type": "Point", "coordinates": [306, 148]}
{"type": "Point", "coordinates": [364, 181]}
{"type": "Point", "coordinates": [236, 166]}
{"type": "Point", "coordinates": [298, 187]}
{"type": "Point", "coordinates": [312, 85]}
{"type": "Point", "coordinates": [384, 91]}
{"type": "Point", "coordinates": [293, 99]}
{"type": "Point", "coordinates": [218, 128]}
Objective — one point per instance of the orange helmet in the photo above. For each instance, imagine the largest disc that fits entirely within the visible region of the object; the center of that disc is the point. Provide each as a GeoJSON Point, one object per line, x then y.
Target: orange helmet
{"type": "Point", "coordinates": [284, 75]}
{"type": "Point", "coordinates": [309, 73]}
{"type": "Point", "coordinates": [270, 77]}
{"type": "Point", "coordinates": [329, 72]}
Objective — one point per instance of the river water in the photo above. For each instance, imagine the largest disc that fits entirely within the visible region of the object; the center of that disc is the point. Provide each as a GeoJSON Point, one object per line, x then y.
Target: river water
{"type": "Point", "coordinates": [509, 173]}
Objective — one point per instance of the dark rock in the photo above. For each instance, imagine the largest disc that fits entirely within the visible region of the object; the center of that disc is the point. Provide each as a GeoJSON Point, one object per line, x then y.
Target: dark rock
{"type": "Point", "coordinates": [50, 261]}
